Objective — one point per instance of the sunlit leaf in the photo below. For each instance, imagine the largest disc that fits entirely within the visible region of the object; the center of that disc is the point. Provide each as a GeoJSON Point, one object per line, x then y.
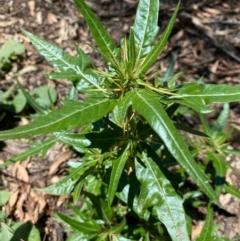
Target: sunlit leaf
{"type": "Point", "coordinates": [72, 114]}
{"type": "Point", "coordinates": [150, 108]}
{"type": "Point", "coordinates": [157, 192]}
{"type": "Point", "coordinates": [145, 26]}
{"type": "Point", "coordinates": [158, 48]}
{"type": "Point", "coordinates": [104, 41]}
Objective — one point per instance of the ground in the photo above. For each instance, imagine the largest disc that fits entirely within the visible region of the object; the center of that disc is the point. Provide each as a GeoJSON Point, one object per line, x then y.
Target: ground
{"type": "Point", "coordinates": [207, 38]}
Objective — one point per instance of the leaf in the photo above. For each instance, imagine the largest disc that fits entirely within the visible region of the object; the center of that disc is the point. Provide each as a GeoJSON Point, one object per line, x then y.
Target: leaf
{"type": "Point", "coordinates": [117, 169]}
{"type": "Point", "coordinates": [19, 101]}
{"type": "Point", "coordinates": [103, 210]}
{"type": "Point", "coordinates": [104, 139]}
{"type": "Point", "coordinates": [45, 96]}
{"type": "Point", "coordinates": [31, 101]}
{"type": "Point", "coordinates": [149, 107]}
{"type": "Point", "coordinates": [157, 192]}
{"type": "Point", "coordinates": [104, 41]}
{"type": "Point", "coordinates": [73, 139]}
{"type": "Point", "coordinates": [145, 26]}
{"type": "Point", "coordinates": [86, 228]}
{"type": "Point", "coordinates": [4, 197]}
{"type": "Point", "coordinates": [72, 114]}
{"type": "Point", "coordinates": [123, 106]}
{"type": "Point", "coordinates": [222, 120]}
{"type": "Point", "coordinates": [158, 48]}
{"type": "Point", "coordinates": [9, 49]}
{"type": "Point", "coordinates": [210, 93]}
{"type": "Point", "coordinates": [196, 105]}
{"type": "Point", "coordinates": [232, 190]}
{"type": "Point", "coordinates": [66, 185]}
{"type": "Point", "coordinates": [182, 127]}
{"type": "Point", "coordinates": [118, 227]}
{"type": "Point", "coordinates": [30, 152]}
{"type": "Point", "coordinates": [206, 233]}
{"type": "Point", "coordinates": [220, 166]}
{"type": "Point", "coordinates": [59, 59]}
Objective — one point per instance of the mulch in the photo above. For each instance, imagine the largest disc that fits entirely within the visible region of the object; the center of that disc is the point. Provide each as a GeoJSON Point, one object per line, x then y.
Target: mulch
{"type": "Point", "coordinates": [207, 38]}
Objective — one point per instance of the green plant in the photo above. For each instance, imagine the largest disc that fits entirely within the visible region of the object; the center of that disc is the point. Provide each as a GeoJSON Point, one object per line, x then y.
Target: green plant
{"type": "Point", "coordinates": [127, 134]}
{"type": "Point", "coordinates": [9, 51]}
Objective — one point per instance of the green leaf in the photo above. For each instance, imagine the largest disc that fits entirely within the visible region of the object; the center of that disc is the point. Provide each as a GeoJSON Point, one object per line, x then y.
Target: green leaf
{"type": "Point", "coordinates": [104, 41]}
{"type": "Point", "coordinates": [196, 105]}
{"type": "Point", "coordinates": [158, 48]}
{"type": "Point", "coordinates": [123, 106]}
{"type": "Point", "coordinates": [66, 185]}
{"type": "Point", "coordinates": [210, 93]}
{"type": "Point", "coordinates": [31, 101]}
{"type": "Point", "coordinates": [157, 192]}
{"type": "Point", "coordinates": [182, 127]}
{"type": "Point", "coordinates": [104, 139]}
{"type": "Point", "coordinates": [10, 49]}
{"type": "Point", "coordinates": [118, 227]}
{"type": "Point", "coordinates": [206, 234]}
{"type": "Point", "coordinates": [149, 107]}
{"type": "Point", "coordinates": [220, 166]}
{"type": "Point", "coordinates": [73, 139]}
{"type": "Point", "coordinates": [19, 102]}
{"type": "Point", "coordinates": [86, 228]}
{"type": "Point", "coordinates": [72, 114]}
{"type": "Point", "coordinates": [30, 152]}
{"type": "Point", "coordinates": [117, 169]}
{"type": "Point", "coordinates": [4, 197]}
{"type": "Point", "coordinates": [104, 212]}
{"type": "Point", "coordinates": [45, 96]}
{"type": "Point", "coordinates": [59, 59]}
{"type": "Point", "coordinates": [232, 190]}
{"type": "Point", "coordinates": [222, 120]}
{"type": "Point", "coordinates": [145, 26]}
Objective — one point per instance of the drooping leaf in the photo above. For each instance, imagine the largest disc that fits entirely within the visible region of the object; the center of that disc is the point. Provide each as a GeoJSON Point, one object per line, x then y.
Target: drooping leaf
{"type": "Point", "coordinates": [118, 166]}
{"type": "Point", "coordinates": [59, 59]}
{"type": "Point", "coordinates": [158, 48]}
{"type": "Point", "coordinates": [104, 41]}
{"type": "Point", "coordinates": [157, 192]}
{"type": "Point", "coordinates": [145, 26]}
{"type": "Point", "coordinates": [150, 108]}
{"type": "Point", "coordinates": [72, 114]}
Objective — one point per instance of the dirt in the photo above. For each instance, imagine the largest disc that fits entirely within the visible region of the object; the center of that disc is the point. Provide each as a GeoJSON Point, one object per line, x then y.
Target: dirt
{"type": "Point", "coordinates": [207, 37]}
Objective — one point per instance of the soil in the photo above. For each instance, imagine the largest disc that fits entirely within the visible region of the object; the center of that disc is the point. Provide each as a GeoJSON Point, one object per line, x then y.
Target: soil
{"type": "Point", "coordinates": [207, 38]}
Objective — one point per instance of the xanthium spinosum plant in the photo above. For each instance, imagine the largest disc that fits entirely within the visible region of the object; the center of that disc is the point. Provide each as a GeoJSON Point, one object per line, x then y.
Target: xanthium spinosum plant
{"type": "Point", "coordinates": [126, 131]}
